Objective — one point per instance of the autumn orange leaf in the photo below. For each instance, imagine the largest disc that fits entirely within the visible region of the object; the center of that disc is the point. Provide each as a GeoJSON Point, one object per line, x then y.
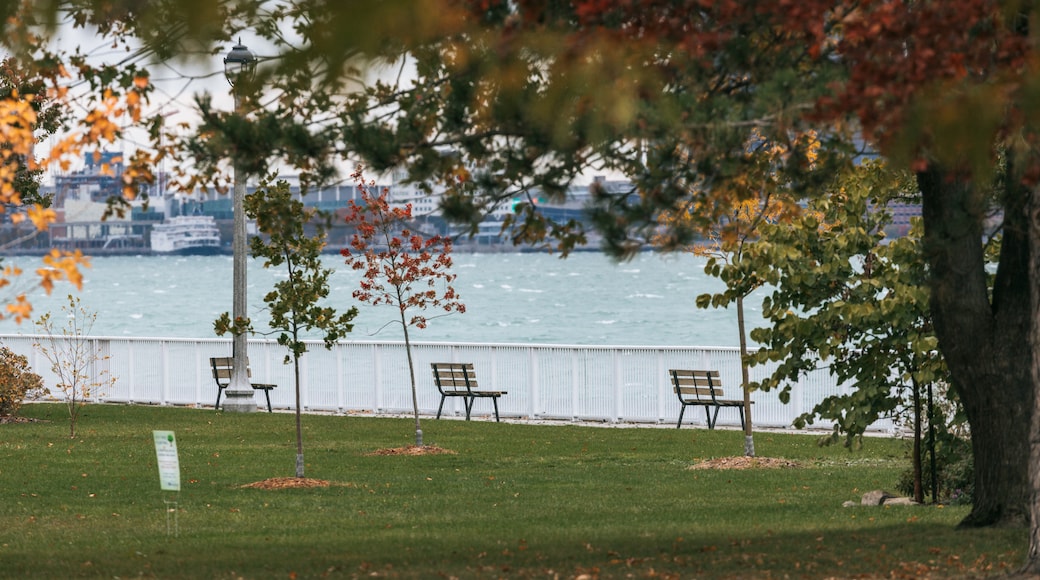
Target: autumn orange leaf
{"type": "Point", "coordinates": [41, 217]}
{"type": "Point", "coordinates": [20, 309]}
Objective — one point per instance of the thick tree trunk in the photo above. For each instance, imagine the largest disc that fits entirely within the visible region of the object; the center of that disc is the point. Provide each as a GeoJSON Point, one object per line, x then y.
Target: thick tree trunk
{"type": "Point", "coordinates": [1032, 566]}
{"type": "Point", "coordinates": [984, 338]}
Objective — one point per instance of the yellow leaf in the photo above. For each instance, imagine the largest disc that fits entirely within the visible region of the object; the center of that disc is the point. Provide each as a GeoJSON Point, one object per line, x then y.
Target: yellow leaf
{"type": "Point", "coordinates": [20, 309]}
{"type": "Point", "coordinates": [41, 217]}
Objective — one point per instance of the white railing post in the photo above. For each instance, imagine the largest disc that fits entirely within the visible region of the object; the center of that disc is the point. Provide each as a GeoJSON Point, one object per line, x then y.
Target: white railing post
{"type": "Point", "coordinates": [204, 377]}
{"type": "Point", "coordinates": [535, 394]}
{"type": "Point", "coordinates": [341, 387]}
{"type": "Point", "coordinates": [305, 393]}
{"type": "Point", "coordinates": [799, 404]}
{"type": "Point", "coordinates": [132, 380]}
{"type": "Point", "coordinates": [660, 391]}
{"type": "Point", "coordinates": [619, 387]}
{"type": "Point", "coordinates": [377, 371]}
{"type": "Point", "coordinates": [164, 376]}
{"type": "Point", "coordinates": [535, 385]}
{"type": "Point", "coordinates": [574, 384]}
{"type": "Point", "coordinates": [493, 370]}
{"type": "Point", "coordinates": [93, 349]}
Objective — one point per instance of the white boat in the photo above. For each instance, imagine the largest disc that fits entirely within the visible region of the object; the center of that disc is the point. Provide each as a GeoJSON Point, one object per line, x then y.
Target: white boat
{"type": "Point", "coordinates": [191, 235]}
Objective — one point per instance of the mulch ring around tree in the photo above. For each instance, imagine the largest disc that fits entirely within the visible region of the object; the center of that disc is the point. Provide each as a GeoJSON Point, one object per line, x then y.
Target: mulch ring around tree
{"type": "Point", "coordinates": [287, 483]}
{"type": "Point", "coordinates": [6, 419]}
{"type": "Point", "coordinates": [745, 462]}
{"type": "Point", "coordinates": [413, 450]}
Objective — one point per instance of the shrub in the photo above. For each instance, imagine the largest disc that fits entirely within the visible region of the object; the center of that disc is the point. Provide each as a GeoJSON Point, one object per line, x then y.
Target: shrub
{"type": "Point", "coordinates": [954, 466]}
{"type": "Point", "coordinates": [17, 382]}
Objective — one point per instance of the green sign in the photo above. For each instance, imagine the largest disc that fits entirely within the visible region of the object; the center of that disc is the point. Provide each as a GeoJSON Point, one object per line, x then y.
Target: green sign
{"type": "Point", "coordinates": [166, 456]}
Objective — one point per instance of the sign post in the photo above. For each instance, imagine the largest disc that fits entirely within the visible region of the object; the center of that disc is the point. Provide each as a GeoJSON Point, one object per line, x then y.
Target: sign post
{"type": "Point", "coordinates": [169, 474]}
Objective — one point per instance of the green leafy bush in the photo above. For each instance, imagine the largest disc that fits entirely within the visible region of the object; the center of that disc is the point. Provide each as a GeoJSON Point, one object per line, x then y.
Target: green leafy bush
{"type": "Point", "coordinates": [17, 382]}
{"type": "Point", "coordinates": [954, 467]}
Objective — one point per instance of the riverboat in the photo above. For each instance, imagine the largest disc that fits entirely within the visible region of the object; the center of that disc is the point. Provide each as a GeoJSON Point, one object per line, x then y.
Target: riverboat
{"type": "Point", "coordinates": [190, 235]}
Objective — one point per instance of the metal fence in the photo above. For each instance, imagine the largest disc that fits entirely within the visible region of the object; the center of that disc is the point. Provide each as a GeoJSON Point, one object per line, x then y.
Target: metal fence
{"type": "Point", "coordinates": [617, 384]}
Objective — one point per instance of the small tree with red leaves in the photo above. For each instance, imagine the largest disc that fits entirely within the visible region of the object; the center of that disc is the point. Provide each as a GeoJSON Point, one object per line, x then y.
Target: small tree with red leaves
{"type": "Point", "coordinates": [400, 267]}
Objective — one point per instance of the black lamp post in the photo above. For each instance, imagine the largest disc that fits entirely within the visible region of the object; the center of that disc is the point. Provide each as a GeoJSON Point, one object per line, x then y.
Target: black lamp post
{"type": "Point", "coordinates": [239, 65]}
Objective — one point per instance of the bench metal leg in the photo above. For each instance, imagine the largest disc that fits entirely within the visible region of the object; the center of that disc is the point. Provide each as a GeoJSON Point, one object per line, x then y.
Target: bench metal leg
{"type": "Point", "coordinates": [220, 391]}
{"type": "Point", "coordinates": [469, 402]}
{"type": "Point", "coordinates": [267, 393]}
{"type": "Point", "coordinates": [711, 417]}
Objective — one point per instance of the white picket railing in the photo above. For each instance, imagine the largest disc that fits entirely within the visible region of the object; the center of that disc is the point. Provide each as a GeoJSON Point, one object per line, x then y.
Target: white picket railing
{"type": "Point", "coordinates": [618, 384]}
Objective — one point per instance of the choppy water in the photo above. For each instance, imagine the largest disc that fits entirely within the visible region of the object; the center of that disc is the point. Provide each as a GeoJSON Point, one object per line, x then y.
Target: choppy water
{"type": "Point", "coordinates": [510, 298]}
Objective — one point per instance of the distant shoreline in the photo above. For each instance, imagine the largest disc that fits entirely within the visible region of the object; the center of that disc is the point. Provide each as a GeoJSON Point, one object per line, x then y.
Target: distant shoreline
{"type": "Point", "coordinates": [226, 251]}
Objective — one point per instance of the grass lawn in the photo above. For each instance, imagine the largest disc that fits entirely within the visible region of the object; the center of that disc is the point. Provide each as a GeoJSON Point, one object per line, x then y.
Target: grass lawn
{"type": "Point", "coordinates": [514, 501]}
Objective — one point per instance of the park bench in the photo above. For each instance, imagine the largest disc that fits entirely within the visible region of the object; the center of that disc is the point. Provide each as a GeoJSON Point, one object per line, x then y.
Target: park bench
{"type": "Point", "coordinates": [221, 366]}
{"type": "Point", "coordinates": [702, 388]}
{"type": "Point", "coordinates": [459, 380]}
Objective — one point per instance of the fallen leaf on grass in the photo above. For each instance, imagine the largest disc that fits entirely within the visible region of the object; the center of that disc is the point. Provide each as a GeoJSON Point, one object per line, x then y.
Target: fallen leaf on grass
{"type": "Point", "coordinates": [287, 483]}
{"type": "Point", "coordinates": [413, 450]}
{"type": "Point", "coordinates": [745, 462]}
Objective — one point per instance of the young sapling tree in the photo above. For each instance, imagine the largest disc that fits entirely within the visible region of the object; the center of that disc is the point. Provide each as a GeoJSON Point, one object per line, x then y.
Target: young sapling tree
{"type": "Point", "coordinates": [294, 302]}
{"type": "Point", "coordinates": [77, 361]}
{"type": "Point", "coordinates": [759, 197]}
{"type": "Point", "coordinates": [399, 268]}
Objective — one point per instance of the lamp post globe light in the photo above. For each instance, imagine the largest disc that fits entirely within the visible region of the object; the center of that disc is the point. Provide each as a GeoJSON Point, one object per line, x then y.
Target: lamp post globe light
{"type": "Point", "coordinates": [239, 64]}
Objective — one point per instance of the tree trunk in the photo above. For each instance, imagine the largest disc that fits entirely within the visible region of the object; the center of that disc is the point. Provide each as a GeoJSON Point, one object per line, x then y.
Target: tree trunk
{"type": "Point", "coordinates": [411, 375]}
{"type": "Point", "coordinates": [749, 436]}
{"type": "Point", "coordinates": [933, 472]}
{"type": "Point", "coordinates": [299, 421]}
{"type": "Point", "coordinates": [1032, 566]}
{"type": "Point", "coordinates": [918, 488]}
{"type": "Point", "coordinates": [984, 339]}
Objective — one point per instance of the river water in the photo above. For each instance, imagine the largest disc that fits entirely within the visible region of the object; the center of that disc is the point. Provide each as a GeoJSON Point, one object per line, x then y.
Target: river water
{"type": "Point", "coordinates": [584, 299]}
